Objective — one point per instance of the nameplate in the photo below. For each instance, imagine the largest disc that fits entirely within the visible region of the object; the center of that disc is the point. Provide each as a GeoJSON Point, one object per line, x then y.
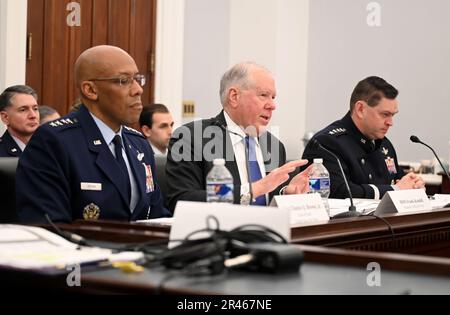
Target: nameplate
{"type": "Point", "coordinates": [91, 187]}
{"type": "Point", "coordinates": [404, 201]}
{"type": "Point", "coordinates": [195, 216]}
{"type": "Point", "coordinates": [303, 209]}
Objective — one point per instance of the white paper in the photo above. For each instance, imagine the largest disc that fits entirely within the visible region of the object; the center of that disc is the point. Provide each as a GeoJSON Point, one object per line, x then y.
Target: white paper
{"type": "Point", "coordinates": [35, 248]}
{"type": "Point", "coordinates": [364, 206]}
{"type": "Point", "coordinates": [304, 209]}
{"type": "Point", "coordinates": [404, 201]}
{"type": "Point", "coordinates": [157, 222]}
{"type": "Point", "coordinates": [193, 216]}
{"type": "Point", "coordinates": [439, 201]}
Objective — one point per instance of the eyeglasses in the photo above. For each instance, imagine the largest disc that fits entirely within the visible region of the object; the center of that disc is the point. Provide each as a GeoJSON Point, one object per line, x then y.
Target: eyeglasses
{"type": "Point", "coordinates": [125, 81]}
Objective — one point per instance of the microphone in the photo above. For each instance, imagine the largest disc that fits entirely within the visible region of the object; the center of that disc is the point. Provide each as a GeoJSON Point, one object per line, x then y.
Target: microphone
{"type": "Point", "coordinates": [72, 237]}
{"type": "Point", "coordinates": [352, 209]}
{"type": "Point", "coordinates": [219, 124]}
{"type": "Point", "coordinates": [417, 140]}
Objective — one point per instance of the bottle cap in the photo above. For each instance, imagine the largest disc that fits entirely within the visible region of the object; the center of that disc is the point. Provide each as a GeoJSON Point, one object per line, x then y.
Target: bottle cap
{"type": "Point", "coordinates": [318, 161]}
{"type": "Point", "coordinates": [219, 161]}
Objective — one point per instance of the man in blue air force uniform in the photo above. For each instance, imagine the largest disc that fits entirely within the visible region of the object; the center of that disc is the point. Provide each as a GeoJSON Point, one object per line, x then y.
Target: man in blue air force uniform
{"type": "Point", "coordinates": [88, 165]}
{"type": "Point", "coordinates": [19, 112]}
{"type": "Point", "coordinates": [359, 140]}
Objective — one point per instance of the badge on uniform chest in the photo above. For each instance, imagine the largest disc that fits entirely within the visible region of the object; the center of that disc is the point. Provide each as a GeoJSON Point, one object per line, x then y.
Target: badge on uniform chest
{"type": "Point", "coordinates": [149, 183]}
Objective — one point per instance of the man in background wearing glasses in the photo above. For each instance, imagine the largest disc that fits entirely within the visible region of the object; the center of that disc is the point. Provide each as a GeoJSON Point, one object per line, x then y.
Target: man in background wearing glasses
{"type": "Point", "coordinates": [89, 165]}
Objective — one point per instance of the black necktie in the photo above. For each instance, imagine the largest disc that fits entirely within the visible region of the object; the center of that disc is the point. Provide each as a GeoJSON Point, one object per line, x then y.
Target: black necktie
{"type": "Point", "coordinates": [123, 167]}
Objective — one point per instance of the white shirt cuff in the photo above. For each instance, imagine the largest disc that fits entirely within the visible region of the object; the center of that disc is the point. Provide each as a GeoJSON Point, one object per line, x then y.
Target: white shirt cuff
{"type": "Point", "coordinates": [376, 192]}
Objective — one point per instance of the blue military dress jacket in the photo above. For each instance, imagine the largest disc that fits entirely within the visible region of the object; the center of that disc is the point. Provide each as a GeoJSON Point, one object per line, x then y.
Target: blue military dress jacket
{"type": "Point", "coordinates": [9, 147]}
{"type": "Point", "coordinates": [69, 172]}
{"type": "Point", "coordinates": [371, 167]}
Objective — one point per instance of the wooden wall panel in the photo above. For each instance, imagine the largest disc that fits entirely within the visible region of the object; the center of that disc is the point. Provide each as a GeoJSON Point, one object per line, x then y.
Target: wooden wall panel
{"type": "Point", "coordinates": [35, 27]}
{"type": "Point", "coordinates": [100, 22]}
{"type": "Point", "coordinates": [129, 24]}
{"type": "Point", "coordinates": [119, 23]}
{"type": "Point", "coordinates": [56, 51]}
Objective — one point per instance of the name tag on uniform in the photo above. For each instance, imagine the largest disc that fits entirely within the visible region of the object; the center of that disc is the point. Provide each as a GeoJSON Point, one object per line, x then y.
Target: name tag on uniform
{"type": "Point", "coordinates": [149, 183]}
{"type": "Point", "coordinates": [91, 187]}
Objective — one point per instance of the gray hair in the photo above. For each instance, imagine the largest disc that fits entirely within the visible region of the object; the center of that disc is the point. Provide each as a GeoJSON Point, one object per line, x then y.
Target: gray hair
{"type": "Point", "coordinates": [8, 94]}
{"type": "Point", "coordinates": [238, 75]}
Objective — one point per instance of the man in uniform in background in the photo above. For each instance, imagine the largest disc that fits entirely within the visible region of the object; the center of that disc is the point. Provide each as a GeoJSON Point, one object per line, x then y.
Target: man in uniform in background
{"type": "Point", "coordinates": [47, 114]}
{"type": "Point", "coordinates": [359, 140]}
{"type": "Point", "coordinates": [19, 112]}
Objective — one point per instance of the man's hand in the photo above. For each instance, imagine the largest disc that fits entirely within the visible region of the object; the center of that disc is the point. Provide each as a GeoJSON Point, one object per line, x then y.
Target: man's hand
{"type": "Point", "coordinates": [410, 181]}
{"type": "Point", "coordinates": [299, 184]}
{"type": "Point", "coordinates": [276, 178]}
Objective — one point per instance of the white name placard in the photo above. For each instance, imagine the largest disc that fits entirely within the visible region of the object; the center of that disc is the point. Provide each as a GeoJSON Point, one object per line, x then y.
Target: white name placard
{"type": "Point", "coordinates": [304, 209]}
{"type": "Point", "coordinates": [404, 201]}
{"type": "Point", "coordinates": [194, 216]}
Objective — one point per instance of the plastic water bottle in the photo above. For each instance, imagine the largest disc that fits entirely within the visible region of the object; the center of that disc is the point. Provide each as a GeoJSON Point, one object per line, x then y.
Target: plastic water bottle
{"type": "Point", "coordinates": [219, 183]}
{"type": "Point", "coordinates": [319, 181]}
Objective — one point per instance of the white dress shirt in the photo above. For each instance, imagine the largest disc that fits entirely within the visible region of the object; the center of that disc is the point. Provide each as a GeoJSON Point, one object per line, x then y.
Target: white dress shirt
{"type": "Point", "coordinates": [108, 135]}
{"type": "Point", "coordinates": [238, 143]}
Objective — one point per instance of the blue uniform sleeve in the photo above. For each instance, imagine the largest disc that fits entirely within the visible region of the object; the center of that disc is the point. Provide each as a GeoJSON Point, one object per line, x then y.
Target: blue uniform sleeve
{"type": "Point", "coordinates": [42, 186]}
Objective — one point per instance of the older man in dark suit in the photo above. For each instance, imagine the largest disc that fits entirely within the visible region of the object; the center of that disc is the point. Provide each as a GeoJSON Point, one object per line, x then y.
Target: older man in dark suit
{"type": "Point", "coordinates": [237, 134]}
{"type": "Point", "coordinates": [89, 165]}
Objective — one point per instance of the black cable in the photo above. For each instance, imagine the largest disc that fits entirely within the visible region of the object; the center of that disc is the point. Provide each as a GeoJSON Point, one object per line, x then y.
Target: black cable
{"type": "Point", "coordinates": [72, 237]}
{"type": "Point", "coordinates": [208, 254]}
{"type": "Point", "coordinates": [391, 229]}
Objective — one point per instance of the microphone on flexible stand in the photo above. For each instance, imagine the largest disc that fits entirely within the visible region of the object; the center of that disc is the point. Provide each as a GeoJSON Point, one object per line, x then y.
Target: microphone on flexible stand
{"type": "Point", "coordinates": [417, 140]}
{"type": "Point", "coordinates": [351, 213]}
{"type": "Point", "coordinates": [219, 124]}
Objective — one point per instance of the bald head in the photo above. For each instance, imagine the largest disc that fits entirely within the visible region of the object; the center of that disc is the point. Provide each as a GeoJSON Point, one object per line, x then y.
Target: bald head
{"type": "Point", "coordinates": [99, 61]}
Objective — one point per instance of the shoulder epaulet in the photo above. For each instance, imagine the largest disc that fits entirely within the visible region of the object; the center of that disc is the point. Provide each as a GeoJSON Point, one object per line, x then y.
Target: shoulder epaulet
{"type": "Point", "coordinates": [336, 132]}
{"type": "Point", "coordinates": [63, 123]}
{"type": "Point", "coordinates": [132, 131]}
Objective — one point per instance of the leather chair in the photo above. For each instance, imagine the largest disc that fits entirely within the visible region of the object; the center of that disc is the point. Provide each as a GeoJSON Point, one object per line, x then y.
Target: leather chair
{"type": "Point", "coordinates": [8, 209]}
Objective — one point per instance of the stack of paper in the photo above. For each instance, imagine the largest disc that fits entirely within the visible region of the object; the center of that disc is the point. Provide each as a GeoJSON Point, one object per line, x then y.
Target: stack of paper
{"type": "Point", "coordinates": [364, 206]}
{"type": "Point", "coordinates": [27, 247]}
{"type": "Point", "coordinates": [440, 201]}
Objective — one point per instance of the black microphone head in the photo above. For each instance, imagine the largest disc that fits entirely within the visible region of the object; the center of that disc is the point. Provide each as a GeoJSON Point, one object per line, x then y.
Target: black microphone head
{"type": "Point", "coordinates": [414, 139]}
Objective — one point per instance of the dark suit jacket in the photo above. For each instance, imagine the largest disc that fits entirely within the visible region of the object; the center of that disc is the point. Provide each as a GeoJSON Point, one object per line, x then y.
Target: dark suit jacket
{"type": "Point", "coordinates": [70, 151]}
{"type": "Point", "coordinates": [188, 165]}
{"type": "Point", "coordinates": [9, 147]}
{"type": "Point", "coordinates": [364, 162]}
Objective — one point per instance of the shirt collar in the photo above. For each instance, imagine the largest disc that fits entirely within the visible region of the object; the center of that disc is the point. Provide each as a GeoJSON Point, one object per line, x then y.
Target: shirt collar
{"type": "Point", "coordinates": [156, 150]}
{"type": "Point", "coordinates": [19, 143]}
{"type": "Point", "coordinates": [232, 126]}
{"type": "Point", "coordinates": [107, 133]}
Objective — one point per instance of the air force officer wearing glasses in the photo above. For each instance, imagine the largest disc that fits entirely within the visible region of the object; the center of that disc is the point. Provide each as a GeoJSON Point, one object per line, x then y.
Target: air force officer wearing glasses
{"type": "Point", "coordinates": [89, 165]}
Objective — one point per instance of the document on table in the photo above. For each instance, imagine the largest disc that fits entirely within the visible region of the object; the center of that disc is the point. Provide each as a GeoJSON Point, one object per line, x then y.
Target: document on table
{"type": "Point", "coordinates": [34, 248]}
{"type": "Point", "coordinates": [440, 201]}
{"type": "Point", "coordinates": [364, 206]}
{"type": "Point", "coordinates": [158, 222]}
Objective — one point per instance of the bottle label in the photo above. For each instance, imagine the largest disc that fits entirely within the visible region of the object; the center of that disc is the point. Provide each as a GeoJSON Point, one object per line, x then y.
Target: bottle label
{"type": "Point", "coordinates": [319, 183]}
{"type": "Point", "coordinates": [220, 192]}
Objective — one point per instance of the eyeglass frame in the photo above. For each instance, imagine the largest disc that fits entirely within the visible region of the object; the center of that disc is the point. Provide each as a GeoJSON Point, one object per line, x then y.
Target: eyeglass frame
{"type": "Point", "coordinates": [120, 81]}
